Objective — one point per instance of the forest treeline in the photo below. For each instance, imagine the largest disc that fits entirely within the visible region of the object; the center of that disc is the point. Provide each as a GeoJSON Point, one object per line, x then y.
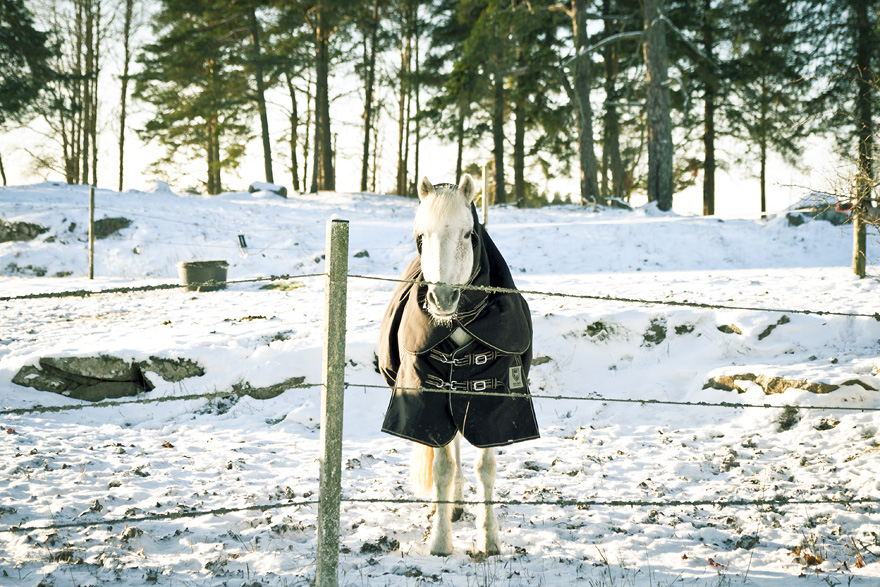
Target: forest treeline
{"type": "Point", "coordinates": [626, 95]}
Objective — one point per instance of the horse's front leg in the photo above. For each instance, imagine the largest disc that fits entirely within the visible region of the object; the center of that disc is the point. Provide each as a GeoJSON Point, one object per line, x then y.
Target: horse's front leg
{"type": "Point", "coordinates": [458, 481]}
{"type": "Point", "coordinates": [487, 524]}
{"type": "Point", "coordinates": [441, 532]}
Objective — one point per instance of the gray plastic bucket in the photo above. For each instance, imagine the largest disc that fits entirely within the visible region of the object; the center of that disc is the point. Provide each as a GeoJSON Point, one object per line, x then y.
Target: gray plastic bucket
{"type": "Point", "coordinates": [195, 273]}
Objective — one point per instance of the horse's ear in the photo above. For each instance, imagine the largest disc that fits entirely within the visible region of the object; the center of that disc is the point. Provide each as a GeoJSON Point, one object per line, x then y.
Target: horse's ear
{"type": "Point", "coordinates": [467, 188]}
{"type": "Point", "coordinates": [425, 188]}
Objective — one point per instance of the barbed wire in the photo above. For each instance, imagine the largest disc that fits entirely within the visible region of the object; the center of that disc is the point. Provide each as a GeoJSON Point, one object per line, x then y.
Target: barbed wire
{"type": "Point", "coordinates": [608, 298]}
{"type": "Point", "coordinates": [631, 502]}
{"type": "Point", "coordinates": [482, 288]}
{"type": "Point", "coordinates": [602, 399]}
{"type": "Point", "coordinates": [282, 387]}
{"type": "Point", "coordinates": [580, 503]}
{"type": "Point", "coordinates": [154, 517]}
{"type": "Point", "coordinates": [83, 293]}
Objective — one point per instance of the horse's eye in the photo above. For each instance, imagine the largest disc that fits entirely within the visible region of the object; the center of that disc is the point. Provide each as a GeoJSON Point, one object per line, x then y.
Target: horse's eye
{"type": "Point", "coordinates": [468, 235]}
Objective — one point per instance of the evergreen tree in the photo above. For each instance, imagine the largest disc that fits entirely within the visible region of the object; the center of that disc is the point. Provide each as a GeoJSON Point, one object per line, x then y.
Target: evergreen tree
{"type": "Point", "coordinates": [579, 90]}
{"type": "Point", "coordinates": [451, 76]}
{"type": "Point", "coordinates": [534, 89]}
{"type": "Point", "coordinates": [292, 49]}
{"type": "Point", "coordinates": [194, 79]}
{"type": "Point", "coordinates": [25, 54]}
{"type": "Point", "coordinates": [768, 84]}
{"type": "Point", "coordinates": [847, 52]}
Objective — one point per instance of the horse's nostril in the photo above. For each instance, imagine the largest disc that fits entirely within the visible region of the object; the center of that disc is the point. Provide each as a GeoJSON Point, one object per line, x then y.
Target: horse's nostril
{"type": "Point", "coordinates": [443, 300]}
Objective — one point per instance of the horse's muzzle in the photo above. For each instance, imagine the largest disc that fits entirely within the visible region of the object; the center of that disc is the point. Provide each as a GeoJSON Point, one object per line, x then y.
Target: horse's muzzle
{"type": "Point", "coordinates": [443, 301]}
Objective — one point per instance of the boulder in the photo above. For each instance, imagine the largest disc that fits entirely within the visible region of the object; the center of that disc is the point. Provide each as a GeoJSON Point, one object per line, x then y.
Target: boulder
{"type": "Point", "coordinates": [172, 370]}
{"type": "Point", "coordinates": [104, 377]}
{"type": "Point", "coordinates": [19, 231]}
{"type": "Point", "coordinates": [263, 186]}
{"type": "Point", "coordinates": [770, 385]}
{"type": "Point", "coordinates": [108, 226]}
{"type": "Point", "coordinates": [84, 370]}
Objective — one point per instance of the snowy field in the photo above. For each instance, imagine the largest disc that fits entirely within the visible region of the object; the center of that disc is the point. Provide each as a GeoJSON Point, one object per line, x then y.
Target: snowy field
{"type": "Point", "coordinates": [221, 490]}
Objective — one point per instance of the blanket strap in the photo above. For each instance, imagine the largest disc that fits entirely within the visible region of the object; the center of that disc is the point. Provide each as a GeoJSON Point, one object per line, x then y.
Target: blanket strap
{"type": "Point", "coordinates": [464, 360]}
{"type": "Point", "coordinates": [472, 385]}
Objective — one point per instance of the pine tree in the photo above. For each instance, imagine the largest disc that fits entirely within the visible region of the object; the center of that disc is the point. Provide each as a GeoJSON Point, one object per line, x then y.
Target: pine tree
{"type": "Point", "coordinates": [194, 79]}
{"type": "Point", "coordinates": [25, 54]}
{"type": "Point", "coordinates": [450, 76]}
{"type": "Point", "coordinates": [847, 53]}
{"type": "Point", "coordinates": [768, 83]}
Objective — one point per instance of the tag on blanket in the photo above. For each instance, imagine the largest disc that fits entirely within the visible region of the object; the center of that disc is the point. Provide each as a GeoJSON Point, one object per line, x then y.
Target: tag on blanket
{"type": "Point", "coordinates": [516, 380]}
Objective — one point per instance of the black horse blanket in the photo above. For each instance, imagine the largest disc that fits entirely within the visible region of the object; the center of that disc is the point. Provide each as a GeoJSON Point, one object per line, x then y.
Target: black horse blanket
{"type": "Point", "coordinates": [491, 371]}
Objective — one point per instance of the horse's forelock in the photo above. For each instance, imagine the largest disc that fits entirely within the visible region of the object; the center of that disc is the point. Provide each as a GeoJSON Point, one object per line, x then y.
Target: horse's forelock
{"type": "Point", "coordinates": [444, 203]}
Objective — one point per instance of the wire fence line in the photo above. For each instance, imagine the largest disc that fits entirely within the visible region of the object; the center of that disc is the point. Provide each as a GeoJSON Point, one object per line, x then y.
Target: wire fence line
{"type": "Point", "coordinates": [153, 400]}
{"type": "Point", "coordinates": [21, 529]}
{"type": "Point", "coordinates": [84, 293]}
{"type": "Point", "coordinates": [608, 298]}
{"type": "Point", "coordinates": [482, 288]}
{"type": "Point", "coordinates": [603, 399]}
{"type": "Point", "coordinates": [562, 503]}
{"type": "Point", "coordinates": [593, 397]}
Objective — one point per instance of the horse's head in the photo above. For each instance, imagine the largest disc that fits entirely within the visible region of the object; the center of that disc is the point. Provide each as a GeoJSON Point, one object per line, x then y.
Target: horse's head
{"type": "Point", "coordinates": [444, 229]}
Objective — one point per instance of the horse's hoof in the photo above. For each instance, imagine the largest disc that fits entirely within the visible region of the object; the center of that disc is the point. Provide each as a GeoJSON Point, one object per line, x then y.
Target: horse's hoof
{"type": "Point", "coordinates": [490, 549]}
{"type": "Point", "coordinates": [441, 551]}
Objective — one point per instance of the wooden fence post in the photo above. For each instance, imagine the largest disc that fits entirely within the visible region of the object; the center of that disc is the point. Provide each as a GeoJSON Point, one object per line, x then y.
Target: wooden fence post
{"type": "Point", "coordinates": [330, 476]}
{"type": "Point", "coordinates": [91, 232]}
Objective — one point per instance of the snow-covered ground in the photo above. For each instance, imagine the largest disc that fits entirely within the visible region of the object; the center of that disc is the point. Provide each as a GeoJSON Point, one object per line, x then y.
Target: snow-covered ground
{"type": "Point", "coordinates": [119, 474]}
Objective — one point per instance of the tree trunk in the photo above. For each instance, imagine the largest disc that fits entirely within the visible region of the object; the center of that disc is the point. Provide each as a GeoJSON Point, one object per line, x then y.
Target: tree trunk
{"type": "Point", "coordinates": [865, 53]}
{"type": "Point", "coordinates": [459, 134]}
{"type": "Point", "coordinates": [580, 95]}
{"type": "Point", "coordinates": [415, 90]}
{"type": "Point", "coordinates": [612, 161]}
{"type": "Point", "coordinates": [708, 112]}
{"type": "Point", "coordinates": [375, 127]}
{"type": "Point", "coordinates": [87, 93]}
{"type": "Point", "coordinates": [294, 124]}
{"type": "Point", "coordinates": [322, 175]}
{"type": "Point", "coordinates": [306, 141]}
{"type": "Point", "coordinates": [218, 160]}
{"type": "Point", "coordinates": [403, 104]}
{"type": "Point", "coordinates": [659, 124]}
{"type": "Point", "coordinates": [763, 116]}
{"type": "Point", "coordinates": [519, 152]}
{"type": "Point", "coordinates": [76, 124]}
{"type": "Point", "coordinates": [96, 64]}
{"type": "Point", "coordinates": [2, 171]}
{"type": "Point", "coordinates": [126, 46]}
{"type": "Point", "coordinates": [209, 151]}
{"type": "Point", "coordinates": [763, 156]}
{"type": "Point", "coordinates": [498, 138]}
{"type": "Point", "coordinates": [261, 94]}
{"type": "Point", "coordinates": [370, 64]}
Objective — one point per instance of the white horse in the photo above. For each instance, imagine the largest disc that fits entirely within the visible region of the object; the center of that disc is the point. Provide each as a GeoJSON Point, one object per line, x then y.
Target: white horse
{"type": "Point", "coordinates": [444, 226]}
{"type": "Point", "coordinates": [470, 347]}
